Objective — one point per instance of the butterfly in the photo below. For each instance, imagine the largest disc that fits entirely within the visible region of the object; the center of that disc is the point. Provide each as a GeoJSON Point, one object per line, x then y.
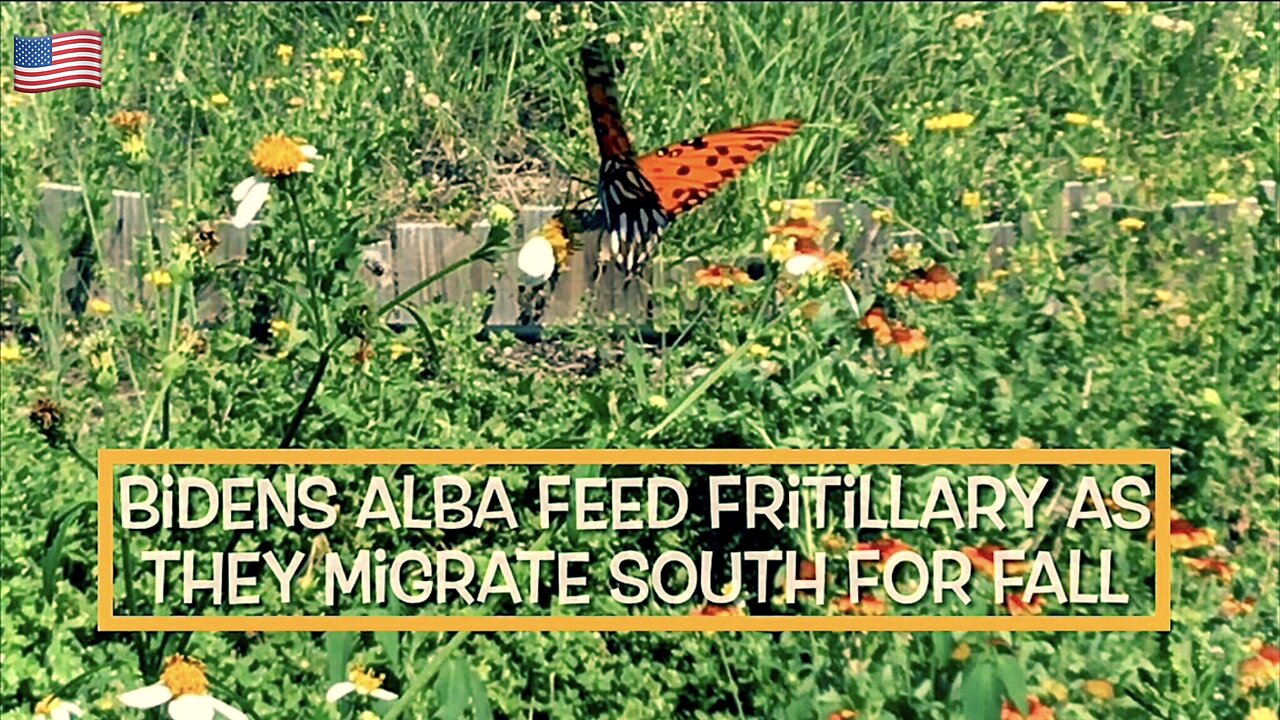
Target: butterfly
{"type": "Point", "coordinates": [642, 195]}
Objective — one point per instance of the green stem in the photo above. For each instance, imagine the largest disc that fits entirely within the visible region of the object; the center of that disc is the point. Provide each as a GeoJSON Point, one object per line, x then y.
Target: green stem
{"type": "Point", "coordinates": [313, 276]}
{"type": "Point", "coordinates": [419, 683]}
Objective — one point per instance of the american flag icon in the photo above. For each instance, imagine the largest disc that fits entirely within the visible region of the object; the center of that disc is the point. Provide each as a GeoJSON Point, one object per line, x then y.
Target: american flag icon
{"type": "Point", "coordinates": [54, 62]}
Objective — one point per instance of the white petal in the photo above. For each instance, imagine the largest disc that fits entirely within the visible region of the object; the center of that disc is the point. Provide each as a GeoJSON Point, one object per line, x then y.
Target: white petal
{"type": "Point", "coordinates": [41, 716]}
{"type": "Point", "coordinates": [227, 711]}
{"type": "Point", "coordinates": [66, 710]}
{"type": "Point", "coordinates": [384, 694]}
{"type": "Point", "coordinates": [243, 188]}
{"type": "Point", "coordinates": [253, 201]}
{"type": "Point", "coordinates": [147, 697]}
{"type": "Point", "coordinates": [802, 264]}
{"type": "Point", "coordinates": [309, 152]}
{"type": "Point", "coordinates": [191, 707]}
{"type": "Point", "coordinates": [339, 691]}
{"type": "Point", "coordinates": [853, 299]}
{"type": "Point", "coordinates": [306, 167]}
{"type": "Point", "coordinates": [536, 261]}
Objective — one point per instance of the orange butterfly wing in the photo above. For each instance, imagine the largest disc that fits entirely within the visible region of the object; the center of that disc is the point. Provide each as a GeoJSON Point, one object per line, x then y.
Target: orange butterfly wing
{"type": "Point", "coordinates": [687, 173]}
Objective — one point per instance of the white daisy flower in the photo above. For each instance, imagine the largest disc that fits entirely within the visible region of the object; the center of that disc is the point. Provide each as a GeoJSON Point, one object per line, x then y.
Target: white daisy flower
{"type": "Point", "coordinates": [361, 682]}
{"type": "Point", "coordinates": [51, 708]}
{"type": "Point", "coordinates": [185, 688]}
{"type": "Point", "coordinates": [274, 157]}
{"type": "Point", "coordinates": [802, 264]}
{"type": "Point", "coordinates": [536, 261]}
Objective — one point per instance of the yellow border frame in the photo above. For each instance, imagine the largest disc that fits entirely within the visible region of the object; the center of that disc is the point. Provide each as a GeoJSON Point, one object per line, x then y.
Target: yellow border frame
{"type": "Point", "coordinates": [108, 459]}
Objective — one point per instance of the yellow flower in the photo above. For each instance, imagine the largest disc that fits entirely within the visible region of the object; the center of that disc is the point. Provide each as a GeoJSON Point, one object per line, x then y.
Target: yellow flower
{"type": "Point", "coordinates": [961, 652]}
{"type": "Point", "coordinates": [532, 15]}
{"type": "Point", "coordinates": [779, 249]}
{"type": "Point", "coordinates": [280, 328]}
{"type": "Point", "coordinates": [335, 76]}
{"type": "Point", "coordinates": [613, 38]}
{"type": "Point", "coordinates": [364, 19]}
{"type": "Point", "coordinates": [10, 352]}
{"type": "Point", "coordinates": [775, 206]}
{"type": "Point", "coordinates": [1182, 321]}
{"type": "Point", "coordinates": [1262, 713]}
{"type": "Point", "coordinates": [355, 55]}
{"type": "Point", "coordinates": [278, 156]}
{"type": "Point", "coordinates": [135, 146]}
{"type": "Point", "coordinates": [985, 286]}
{"type": "Point", "coordinates": [296, 102]}
{"type": "Point", "coordinates": [285, 53]}
{"type": "Point", "coordinates": [803, 210]}
{"type": "Point", "coordinates": [968, 21]}
{"type": "Point", "coordinates": [1118, 8]}
{"type": "Point", "coordinates": [1055, 690]}
{"type": "Point", "coordinates": [1131, 224]}
{"type": "Point", "coordinates": [657, 402]}
{"type": "Point", "coordinates": [1053, 8]}
{"type": "Point", "coordinates": [431, 100]}
{"type": "Point", "coordinates": [1168, 24]}
{"type": "Point", "coordinates": [398, 351]}
{"type": "Point", "coordinates": [884, 216]}
{"type": "Point", "coordinates": [1093, 164]}
{"type": "Point", "coordinates": [129, 9]}
{"type": "Point", "coordinates": [1077, 119]}
{"type": "Point", "coordinates": [1100, 689]}
{"type": "Point", "coordinates": [54, 708]}
{"type": "Point", "coordinates": [1162, 296]}
{"type": "Point", "coordinates": [159, 278]}
{"type": "Point", "coordinates": [1217, 198]}
{"type": "Point", "coordinates": [99, 307]}
{"type": "Point", "coordinates": [901, 139]}
{"type": "Point", "coordinates": [219, 100]}
{"type": "Point", "coordinates": [500, 213]}
{"type": "Point", "coordinates": [758, 351]}
{"type": "Point", "coordinates": [361, 682]}
{"type": "Point", "coordinates": [950, 121]}
{"type": "Point", "coordinates": [971, 199]}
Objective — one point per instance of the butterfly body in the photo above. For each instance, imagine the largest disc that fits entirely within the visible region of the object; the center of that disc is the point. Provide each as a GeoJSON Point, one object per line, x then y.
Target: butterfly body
{"type": "Point", "coordinates": [642, 196]}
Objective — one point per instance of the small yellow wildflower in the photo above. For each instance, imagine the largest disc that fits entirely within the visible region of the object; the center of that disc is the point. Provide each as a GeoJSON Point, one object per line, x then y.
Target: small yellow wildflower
{"type": "Point", "coordinates": [554, 234]}
{"type": "Point", "coordinates": [1093, 164]}
{"type": "Point", "coordinates": [985, 286]}
{"type": "Point", "coordinates": [10, 352]}
{"type": "Point", "coordinates": [500, 213]}
{"type": "Point", "coordinates": [135, 146]}
{"type": "Point", "coordinates": [757, 350]}
{"type": "Point", "coordinates": [780, 249]}
{"type": "Point", "coordinates": [613, 38]}
{"type": "Point", "coordinates": [1053, 8]}
{"type": "Point", "coordinates": [971, 199]}
{"type": "Point", "coordinates": [361, 682]}
{"type": "Point", "coordinates": [159, 278]}
{"type": "Point", "coordinates": [1182, 321]}
{"type": "Point", "coordinates": [1055, 690]}
{"type": "Point", "coordinates": [532, 15]}
{"type": "Point", "coordinates": [901, 139]}
{"type": "Point", "coordinates": [961, 652]}
{"type": "Point", "coordinates": [775, 206]}
{"type": "Point", "coordinates": [1217, 198]}
{"type": "Point", "coordinates": [1131, 224]}
{"type": "Point", "coordinates": [219, 100]}
{"type": "Point", "coordinates": [968, 21]}
{"type": "Point", "coordinates": [1163, 22]}
{"type": "Point", "coordinates": [364, 19]}
{"type": "Point", "coordinates": [884, 216]}
{"type": "Point", "coordinates": [803, 210]}
{"type": "Point", "coordinates": [280, 328]}
{"type": "Point", "coordinates": [1262, 713]}
{"type": "Point", "coordinates": [129, 121]}
{"type": "Point", "coordinates": [130, 9]}
{"type": "Point", "coordinates": [399, 350]}
{"type": "Point", "coordinates": [335, 76]}
{"type": "Point", "coordinates": [657, 402]}
{"type": "Point", "coordinates": [355, 55]}
{"type": "Point", "coordinates": [1077, 119]}
{"type": "Point", "coordinates": [950, 121]}
{"type": "Point", "coordinates": [285, 53]}
{"type": "Point", "coordinates": [431, 100]}
{"type": "Point", "coordinates": [99, 307]}
{"type": "Point", "coordinates": [1118, 8]}
{"type": "Point", "coordinates": [1100, 689]}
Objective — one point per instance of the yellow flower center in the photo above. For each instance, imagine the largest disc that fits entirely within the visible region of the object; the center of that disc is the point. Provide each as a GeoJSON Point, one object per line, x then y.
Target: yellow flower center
{"type": "Point", "coordinates": [278, 156]}
{"type": "Point", "coordinates": [48, 705]}
{"type": "Point", "coordinates": [185, 676]}
{"type": "Point", "coordinates": [364, 680]}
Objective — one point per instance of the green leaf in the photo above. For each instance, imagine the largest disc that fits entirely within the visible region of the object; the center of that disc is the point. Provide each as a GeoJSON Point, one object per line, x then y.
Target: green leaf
{"type": "Point", "coordinates": [981, 694]}
{"type": "Point", "coordinates": [1014, 680]}
{"type": "Point", "coordinates": [454, 689]}
{"type": "Point", "coordinates": [337, 650]}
